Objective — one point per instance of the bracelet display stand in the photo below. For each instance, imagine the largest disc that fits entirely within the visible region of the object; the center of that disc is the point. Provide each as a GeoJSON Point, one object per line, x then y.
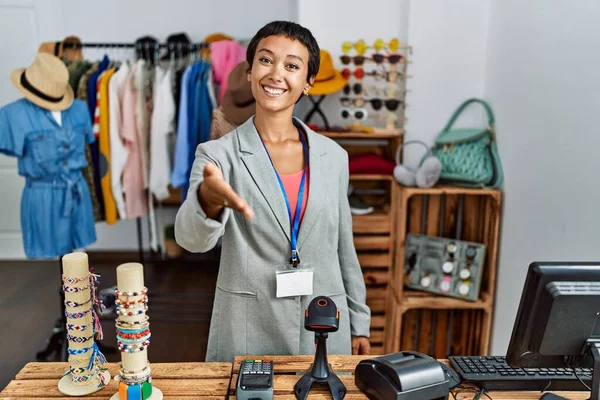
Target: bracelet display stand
{"type": "Point", "coordinates": [86, 374]}
{"type": "Point", "coordinates": [133, 335]}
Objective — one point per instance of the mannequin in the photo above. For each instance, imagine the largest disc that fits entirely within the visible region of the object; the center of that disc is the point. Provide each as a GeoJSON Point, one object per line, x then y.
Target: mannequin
{"type": "Point", "coordinates": [47, 130]}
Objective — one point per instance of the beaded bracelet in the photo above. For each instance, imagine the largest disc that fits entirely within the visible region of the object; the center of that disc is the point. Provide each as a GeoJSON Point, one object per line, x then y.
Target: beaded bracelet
{"type": "Point", "coordinates": [79, 339]}
{"type": "Point", "coordinates": [75, 289]}
{"type": "Point", "coordinates": [136, 335]}
{"type": "Point", "coordinates": [74, 304]}
{"type": "Point", "coordinates": [130, 303]}
{"type": "Point", "coordinates": [77, 315]}
{"type": "Point", "coordinates": [133, 341]}
{"type": "Point", "coordinates": [72, 327]}
{"type": "Point", "coordinates": [127, 331]}
{"type": "Point", "coordinates": [147, 369]}
{"type": "Point", "coordinates": [138, 377]}
{"type": "Point", "coordinates": [68, 279]}
{"type": "Point", "coordinates": [129, 348]}
{"type": "Point", "coordinates": [133, 323]}
{"type": "Point", "coordinates": [131, 313]}
{"type": "Point", "coordinates": [135, 381]}
{"type": "Point", "coordinates": [131, 294]}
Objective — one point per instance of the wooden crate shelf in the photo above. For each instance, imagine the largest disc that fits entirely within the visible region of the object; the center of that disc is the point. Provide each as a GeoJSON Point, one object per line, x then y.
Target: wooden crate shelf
{"type": "Point", "coordinates": [430, 323]}
{"type": "Point", "coordinates": [376, 134]}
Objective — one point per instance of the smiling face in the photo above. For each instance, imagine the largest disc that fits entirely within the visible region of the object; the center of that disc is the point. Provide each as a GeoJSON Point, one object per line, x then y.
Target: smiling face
{"type": "Point", "coordinates": [279, 72]}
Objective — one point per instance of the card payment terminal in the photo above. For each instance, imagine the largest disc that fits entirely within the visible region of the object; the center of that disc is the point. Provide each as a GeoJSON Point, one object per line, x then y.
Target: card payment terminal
{"type": "Point", "coordinates": [255, 380]}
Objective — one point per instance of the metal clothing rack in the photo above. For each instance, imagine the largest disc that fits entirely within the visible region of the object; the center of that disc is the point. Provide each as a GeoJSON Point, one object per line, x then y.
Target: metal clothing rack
{"type": "Point", "coordinates": [146, 46]}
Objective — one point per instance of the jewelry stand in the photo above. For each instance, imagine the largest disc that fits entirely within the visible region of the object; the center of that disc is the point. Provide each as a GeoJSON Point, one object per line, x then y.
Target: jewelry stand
{"type": "Point", "coordinates": [320, 372]}
{"type": "Point", "coordinates": [133, 335]}
{"type": "Point", "coordinates": [57, 342]}
{"type": "Point", "coordinates": [86, 373]}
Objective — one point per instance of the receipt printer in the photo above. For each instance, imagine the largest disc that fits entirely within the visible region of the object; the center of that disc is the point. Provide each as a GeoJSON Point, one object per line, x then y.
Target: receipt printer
{"type": "Point", "coordinates": [401, 376]}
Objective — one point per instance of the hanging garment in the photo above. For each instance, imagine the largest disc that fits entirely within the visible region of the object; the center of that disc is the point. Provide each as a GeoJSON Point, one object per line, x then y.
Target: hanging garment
{"type": "Point", "coordinates": [161, 127]}
{"type": "Point", "coordinates": [110, 207]}
{"type": "Point", "coordinates": [56, 208]}
{"type": "Point", "coordinates": [143, 84]}
{"type": "Point", "coordinates": [92, 89]}
{"type": "Point", "coordinates": [180, 173]}
{"type": "Point", "coordinates": [136, 199]}
{"type": "Point", "coordinates": [88, 170]}
{"type": "Point", "coordinates": [118, 151]}
{"type": "Point", "coordinates": [225, 55]}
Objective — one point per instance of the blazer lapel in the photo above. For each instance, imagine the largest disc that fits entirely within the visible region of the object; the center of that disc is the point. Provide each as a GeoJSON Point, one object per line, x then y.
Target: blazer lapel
{"type": "Point", "coordinates": [319, 173]}
{"type": "Point", "coordinates": [259, 166]}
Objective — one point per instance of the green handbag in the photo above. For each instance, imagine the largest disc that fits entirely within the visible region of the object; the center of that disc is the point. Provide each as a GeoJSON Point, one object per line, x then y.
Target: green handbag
{"type": "Point", "coordinates": [469, 156]}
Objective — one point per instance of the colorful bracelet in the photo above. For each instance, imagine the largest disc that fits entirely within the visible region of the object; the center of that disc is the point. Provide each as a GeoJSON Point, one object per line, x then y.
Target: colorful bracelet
{"type": "Point", "coordinates": [136, 335]}
{"type": "Point", "coordinates": [74, 304]}
{"type": "Point", "coordinates": [133, 341]}
{"type": "Point", "coordinates": [75, 289]}
{"type": "Point", "coordinates": [69, 280]}
{"type": "Point", "coordinates": [133, 323]}
{"type": "Point", "coordinates": [77, 315]}
{"type": "Point", "coordinates": [141, 391]}
{"type": "Point", "coordinates": [133, 348]}
{"type": "Point", "coordinates": [131, 313]}
{"type": "Point", "coordinates": [79, 339]}
{"type": "Point", "coordinates": [72, 327]}
{"type": "Point", "coordinates": [144, 370]}
{"type": "Point", "coordinates": [79, 351]}
{"type": "Point", "coordinates": [130, 303]}
{"type": "Point", "coordinates": [131, 294]}
{"type": "Point", "coordinates": [127, 331]}
{"type": "Point", "coordinates": [81, 378]}
{"type": "Point", "coordinates": [77, 371]}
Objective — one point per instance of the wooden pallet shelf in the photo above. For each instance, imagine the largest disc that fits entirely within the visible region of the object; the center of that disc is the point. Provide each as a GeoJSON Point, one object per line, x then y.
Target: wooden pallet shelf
{"type": "Point", "coordinates": [434, 324]}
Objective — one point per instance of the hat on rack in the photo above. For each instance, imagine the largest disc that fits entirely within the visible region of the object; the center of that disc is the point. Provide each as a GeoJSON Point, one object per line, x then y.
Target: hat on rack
{"type": "Point", "coordinates": [328, 79]}
{"type": "Point", "coordinates": [173, 42]}
{"type": "Point", "coordinates": [238, 102]}
{"type": "Point", "coordinates": [45, 82]}
{"type": "Point", "coordinates": [145, 47]}
{"type": "Point", "coordinates": [69, 49]}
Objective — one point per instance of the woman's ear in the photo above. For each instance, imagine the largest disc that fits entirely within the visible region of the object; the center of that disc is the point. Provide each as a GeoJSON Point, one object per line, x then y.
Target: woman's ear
{"type": "Point", "coordinates": [248, 75]}
{"type": "Point", "coordinates": [309, 85]}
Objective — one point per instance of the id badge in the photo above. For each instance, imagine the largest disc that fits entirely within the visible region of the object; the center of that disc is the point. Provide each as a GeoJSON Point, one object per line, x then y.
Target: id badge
{"type": "Point", "coordinates": [296, 281]}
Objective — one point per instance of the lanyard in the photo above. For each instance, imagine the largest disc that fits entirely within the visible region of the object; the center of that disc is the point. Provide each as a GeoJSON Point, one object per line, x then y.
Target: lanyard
{"type": "Point", "coordinates": [295, 224]}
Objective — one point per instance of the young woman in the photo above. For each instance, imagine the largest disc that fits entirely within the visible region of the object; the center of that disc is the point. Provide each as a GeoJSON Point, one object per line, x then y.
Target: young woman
{"type": "Point", "coordinates": [276, 192]}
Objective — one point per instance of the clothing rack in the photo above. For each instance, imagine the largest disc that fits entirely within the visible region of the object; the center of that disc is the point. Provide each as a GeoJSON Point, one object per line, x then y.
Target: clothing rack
{"type": "Point", "coordinates": [172, 45]}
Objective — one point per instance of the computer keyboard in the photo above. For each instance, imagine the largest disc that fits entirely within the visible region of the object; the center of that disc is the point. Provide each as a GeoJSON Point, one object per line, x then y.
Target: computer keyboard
{"type": "Point", "coordinates": [493, 373]}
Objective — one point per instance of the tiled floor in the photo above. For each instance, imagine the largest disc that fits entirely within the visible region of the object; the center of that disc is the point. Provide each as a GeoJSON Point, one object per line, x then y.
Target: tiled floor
{"type": "Point", "coordinates": [181, 294]}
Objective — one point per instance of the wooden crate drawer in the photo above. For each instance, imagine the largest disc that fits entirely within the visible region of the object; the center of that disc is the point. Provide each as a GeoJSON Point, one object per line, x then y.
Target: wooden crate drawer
{"type": "Point", "coordinates": [372, 223]}
{"type": "Point", "coordinates": [381, 242]}
{"type": "Point", "coordinates": [374, 260]}
{"type": "Point", "coordinates": [376, 276]}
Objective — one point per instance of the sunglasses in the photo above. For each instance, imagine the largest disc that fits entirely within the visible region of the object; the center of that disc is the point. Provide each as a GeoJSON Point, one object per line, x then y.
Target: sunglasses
{"type": "Point", "coordinates": [358, 113]}
{"type": "Point", "coordinates": [357, 60]}
{"type": "Point", "coordinates": [356, 102]}
{"type": "Point", "coordinates": [392, 58]}
{"type": "Point", "coordinates": [357, 88]}
{"type": "Point", "coordinates": [359, 73]}
{"type": "Point", "coordinates": [390, 104]}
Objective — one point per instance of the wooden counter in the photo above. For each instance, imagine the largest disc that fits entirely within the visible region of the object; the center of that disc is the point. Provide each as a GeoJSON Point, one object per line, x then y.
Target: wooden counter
{"type": "Point", "coordinates": [217, 381]}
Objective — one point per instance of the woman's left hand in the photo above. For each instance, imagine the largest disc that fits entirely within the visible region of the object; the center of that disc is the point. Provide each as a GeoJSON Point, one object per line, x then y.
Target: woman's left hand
{"type": "Point", "coordinates": [360, 345]}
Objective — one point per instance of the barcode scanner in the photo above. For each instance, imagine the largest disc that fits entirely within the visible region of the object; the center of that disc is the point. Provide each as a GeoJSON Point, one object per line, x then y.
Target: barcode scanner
{"type": "Point", "coordinates": [321, 317]}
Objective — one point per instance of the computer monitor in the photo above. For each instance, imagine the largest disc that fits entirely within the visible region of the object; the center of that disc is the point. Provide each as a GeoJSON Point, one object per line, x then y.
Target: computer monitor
{"type": "Point", "coordinates": [558, 320]}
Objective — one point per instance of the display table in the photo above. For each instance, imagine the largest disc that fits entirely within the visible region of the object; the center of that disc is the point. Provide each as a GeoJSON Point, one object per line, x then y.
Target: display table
{"type": "Point", "coordinates": [217, 381]}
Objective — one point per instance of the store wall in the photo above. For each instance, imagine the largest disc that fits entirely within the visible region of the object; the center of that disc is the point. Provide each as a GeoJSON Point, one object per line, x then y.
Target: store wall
{"type": "Point", "coordinates": [542, 79]}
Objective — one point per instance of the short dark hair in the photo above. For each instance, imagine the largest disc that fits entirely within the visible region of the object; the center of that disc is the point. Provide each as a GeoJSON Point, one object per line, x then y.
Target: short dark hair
{"type": "Point", "coordinates": [292, 31]}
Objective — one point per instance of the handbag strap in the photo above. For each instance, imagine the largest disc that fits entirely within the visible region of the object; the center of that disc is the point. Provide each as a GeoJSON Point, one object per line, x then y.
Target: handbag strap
{"type": "Point", "coordinates": [464, 105]}
{"type": "Point", "coordinates": [411, 142]}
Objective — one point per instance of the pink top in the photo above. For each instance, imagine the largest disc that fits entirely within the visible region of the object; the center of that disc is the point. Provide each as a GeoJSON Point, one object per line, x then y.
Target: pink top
{"type": "Point", "coordinates": [291, 183]}
{"type": "Point", "coordinates": [136, 200]}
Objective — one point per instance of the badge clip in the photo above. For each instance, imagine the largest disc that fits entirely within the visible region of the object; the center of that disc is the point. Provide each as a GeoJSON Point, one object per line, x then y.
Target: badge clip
{"type": "Point", "coordinates": [295, 258]}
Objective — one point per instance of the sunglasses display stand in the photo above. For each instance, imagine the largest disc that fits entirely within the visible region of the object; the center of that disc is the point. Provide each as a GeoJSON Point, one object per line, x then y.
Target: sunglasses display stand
{"type": "Point", "coordinates": [364, 73]}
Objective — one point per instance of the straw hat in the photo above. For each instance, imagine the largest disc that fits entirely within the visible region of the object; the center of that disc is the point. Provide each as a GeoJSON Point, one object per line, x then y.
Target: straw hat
{"type": "Point", "coordinates": [45, 82]}
{"type": "Point", "coordinates": [328, 79]}
{"type": "Point", "coordinates": [238, 102]}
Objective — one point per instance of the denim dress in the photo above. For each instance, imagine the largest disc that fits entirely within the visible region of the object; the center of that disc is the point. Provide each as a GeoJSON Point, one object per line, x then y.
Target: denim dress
{"type": "Point", "coordinates": [56, 208]}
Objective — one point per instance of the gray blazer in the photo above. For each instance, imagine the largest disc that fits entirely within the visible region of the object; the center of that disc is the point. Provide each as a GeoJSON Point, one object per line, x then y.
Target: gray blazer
{"type": "Point", "coordinates": [248, 318]}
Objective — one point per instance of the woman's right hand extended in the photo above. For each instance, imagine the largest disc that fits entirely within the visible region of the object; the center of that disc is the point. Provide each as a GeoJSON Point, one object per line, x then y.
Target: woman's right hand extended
{"type": "Point", "coordinates": [214, 194]}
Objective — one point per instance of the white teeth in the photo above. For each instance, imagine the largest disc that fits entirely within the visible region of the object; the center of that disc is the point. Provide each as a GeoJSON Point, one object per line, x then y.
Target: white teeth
{"type": "Point", "coordinates": [273, 91]}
